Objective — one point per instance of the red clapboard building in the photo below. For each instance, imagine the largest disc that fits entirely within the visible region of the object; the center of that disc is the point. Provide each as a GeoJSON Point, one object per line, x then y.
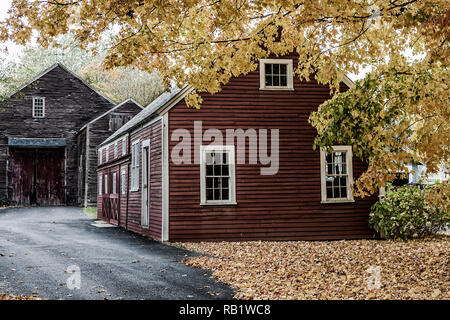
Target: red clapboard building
{"type": "Point", "coordinates": [242, 167]}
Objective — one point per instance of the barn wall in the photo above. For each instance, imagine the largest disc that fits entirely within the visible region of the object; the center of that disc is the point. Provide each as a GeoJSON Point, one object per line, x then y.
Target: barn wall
{"type": "Point", "coordinates": [69, 104]}
{"type": "Point", "coordinates": [280, 207]}
{"type": "Point", "coordinates": [98, 132]}
{"type": "Point", "coordinates": [3, 169]}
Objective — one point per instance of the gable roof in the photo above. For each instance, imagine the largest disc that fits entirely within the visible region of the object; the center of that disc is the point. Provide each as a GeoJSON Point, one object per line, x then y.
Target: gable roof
{"type": "Point", "coordinates": [110, 110]}
{"type": "Point", "coordinates": [58, 64]}
{"type": "Point", "coordinates": [152, 110]}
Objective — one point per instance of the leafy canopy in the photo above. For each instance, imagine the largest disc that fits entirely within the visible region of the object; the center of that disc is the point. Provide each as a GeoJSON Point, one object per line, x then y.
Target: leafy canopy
{"type": "Point", "coordinates": [398, 113]}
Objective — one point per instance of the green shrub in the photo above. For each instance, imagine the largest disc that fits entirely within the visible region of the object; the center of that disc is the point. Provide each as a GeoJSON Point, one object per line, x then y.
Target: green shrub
{"type": "Point", "coordinates": [411, 212]}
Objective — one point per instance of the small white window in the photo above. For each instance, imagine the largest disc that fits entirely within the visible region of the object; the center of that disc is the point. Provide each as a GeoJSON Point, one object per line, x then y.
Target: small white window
{"type": "Point", "coordinates": [100, 156]}
{"type": "Point", "coordinates": [124, 146]}
{"type": "Point", "coordinates": [116, 150]}
{"type": "Point", "coordinates": [217, 175]}
{"type": "Point", "coordinates": [100, 185]}
{"type": "Point", "coordinates": [107, 154]}
{"type": "Point", "coordinates": [135, 158]}
{"type": "Point", "coordinates": [38, 107]}
{"type": "Point", "coordinates": [123, 182]}
{"type": "Point", "coordinates": [276, 74]}
{"type": "Point", "coordinates": [336, 174]}
{"type": "Point", "coordinates": [106, 184]}
{"type": "Point", "coordinates": [114, 183]}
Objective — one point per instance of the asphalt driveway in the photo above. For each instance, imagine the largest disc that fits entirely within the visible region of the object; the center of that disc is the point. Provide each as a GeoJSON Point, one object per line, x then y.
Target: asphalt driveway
{"type": "Point", "coordinates": [38, 245]}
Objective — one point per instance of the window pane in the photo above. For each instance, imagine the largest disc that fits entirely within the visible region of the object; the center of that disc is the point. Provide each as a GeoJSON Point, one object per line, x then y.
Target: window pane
{"type": "Point", "coordinates": [276, 81]}
{"type": "Point", "coordinates": [283, 69]}
{"type": "Point", "coordinates": [268, 80]}
{"type": "Point", "coordinates": [216, 194]}
{"type": "Point", "coordinates": [209, 194]}
{"type": "Point", "coordinates": [268, 67]}
{"type": "Point", "coordinates": [209, 183]}
{"type": "Point", "coordinates": [276, 69]}
{"type": "Point", "coordinates": [329, 193]}
{"type": "Point", "coordinates": [283, 81]}
{"type": "Point", "coordinates": [225, 194]}
{"type": "Point", "coordinates": [225, 183]}
{"type": "Point", "coordinates": [209, 170]}
{"type": "Point", "coordinates": [337, 193]}
{"type": "Point", "coordinates": [216, 183]}
{"type": "Point", "coordinates": [343, 192]}
{"type": "Point", "coordinates": [225, 171]}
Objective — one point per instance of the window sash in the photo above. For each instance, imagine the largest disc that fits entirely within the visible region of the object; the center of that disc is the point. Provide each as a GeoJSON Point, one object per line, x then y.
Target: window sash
{"type": "Point", "coordinates": [217, 187]}
{"type": "Point", "coordinates": [124, 182]}
{"type": "Point", "coordinates": [38, 107]}
{"type": "Point", "coordinates": [276, 74]}
{"type": "Point", "coordinates": [114, 183]}
{"type": "Point", "coordinates": [336, 174]}
{"type": "Point", "coordinates": [135, 156]}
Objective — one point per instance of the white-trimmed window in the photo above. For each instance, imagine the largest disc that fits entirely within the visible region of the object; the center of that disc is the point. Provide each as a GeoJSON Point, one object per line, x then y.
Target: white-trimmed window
{"type": "Point", "coordinates": [100, 185]}
{"type": "Point", "coordinates": [116, 150]}
{"type": "Point", "coordinates": [107, 154]}
{"type": "Point", "coordinates": [135, 158]}
{"type": "Point", "coordinates": [106, 184]}
{"type": "Point", "coordinates": [336, 174]}
{"type": "Point", "coordinates": [276, 74]}
{"type": "Point", "coordinates": [217, 175]}
{"type": "Point", "coordinates": [100, 156]}
{"type": "Point", "coordinates": [124, 146]}
{"type": "Point", "coordinates": [38, 107]}
{"type": "Point", "coordinates": [123, 182]}
{"type": "Point", "coordinates": [114, 183]}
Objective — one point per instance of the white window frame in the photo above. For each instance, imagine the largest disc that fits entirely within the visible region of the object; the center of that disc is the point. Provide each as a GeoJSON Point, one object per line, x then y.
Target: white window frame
{"type": "Point", "coordinates": [106, 184]}
{"type": "Point", "coordinates": [123, 184]}
{"type": "Point", "coordinates": [106, 154]}
{"type": "Point", "coordinates": [100, 185]}
{"type": "Point", "coordinates": [232, 170]}
{"type": "Point", "coordinates": [135, 164]}
{"type": "Point", "coordinates": [124, 146]}
{"type": "Point", "coordinates": [114, 183]}
{"type": "Point", "coordinates": [34, 107]}
{"type": "Point", "coordinates": [100, 156]}
{"type": "Point", "coordinates": [116, 150]}
{"type": "Point", "coordinates": [349, 162]}
{"type": "Point", "coordinates": [290, 74]}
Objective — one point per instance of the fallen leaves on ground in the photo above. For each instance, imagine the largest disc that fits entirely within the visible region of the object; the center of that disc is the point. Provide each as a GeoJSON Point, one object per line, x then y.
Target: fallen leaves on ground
{"type": "Point", "coordinates": [356, 269]}
{"type": "Point", "coordinates": [18, 297]}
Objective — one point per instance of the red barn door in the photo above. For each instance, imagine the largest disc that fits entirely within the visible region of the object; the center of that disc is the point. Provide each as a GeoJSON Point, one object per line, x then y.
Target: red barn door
{"type": "Point", "coordinates": [37, 176]}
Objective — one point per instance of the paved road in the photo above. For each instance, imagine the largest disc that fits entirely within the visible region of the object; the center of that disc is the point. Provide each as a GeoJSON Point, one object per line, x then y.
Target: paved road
{"type": "Point", "coordinates": [37, 245]}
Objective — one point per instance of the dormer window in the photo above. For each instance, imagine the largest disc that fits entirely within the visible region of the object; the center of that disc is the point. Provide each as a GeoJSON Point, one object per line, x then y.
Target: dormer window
{"type": "Point", "coordinates": [38, 107]}
{"type": "Point", "coordinates": [276, 74]}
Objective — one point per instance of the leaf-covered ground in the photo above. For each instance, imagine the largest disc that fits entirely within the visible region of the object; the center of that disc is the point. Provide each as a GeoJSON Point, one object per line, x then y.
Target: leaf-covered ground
{"type": "Point", "coordinates": [360, 269]}
{"type": "Point", "coordinates": [17, 297]}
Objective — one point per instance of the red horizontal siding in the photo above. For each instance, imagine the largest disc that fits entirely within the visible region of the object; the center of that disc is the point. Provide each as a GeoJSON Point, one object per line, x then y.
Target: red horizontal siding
{"type": "Point", "coordinates": [285, 206]}
{"type": "Point", "coordinates": [152, 132]}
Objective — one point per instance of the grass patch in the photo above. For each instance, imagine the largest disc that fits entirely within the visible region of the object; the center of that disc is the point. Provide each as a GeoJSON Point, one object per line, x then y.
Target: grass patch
{"type": "Point", "coordinates": [91, 212]}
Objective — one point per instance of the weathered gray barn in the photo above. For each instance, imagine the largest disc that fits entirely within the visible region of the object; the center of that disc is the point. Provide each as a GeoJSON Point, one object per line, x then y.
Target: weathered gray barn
{"type": "Point", "coordinates": [49, 132]}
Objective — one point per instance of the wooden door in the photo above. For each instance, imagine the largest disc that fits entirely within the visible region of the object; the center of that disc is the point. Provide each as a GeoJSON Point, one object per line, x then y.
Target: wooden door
{"type": "Point", "coordinates": [49, 177]}
{"type": "Point", "coordinates": [37, 176]}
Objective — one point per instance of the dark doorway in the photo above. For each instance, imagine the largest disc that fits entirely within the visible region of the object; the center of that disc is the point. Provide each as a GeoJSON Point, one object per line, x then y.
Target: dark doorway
{"type": "Point", "coordinates": [37, 176]}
